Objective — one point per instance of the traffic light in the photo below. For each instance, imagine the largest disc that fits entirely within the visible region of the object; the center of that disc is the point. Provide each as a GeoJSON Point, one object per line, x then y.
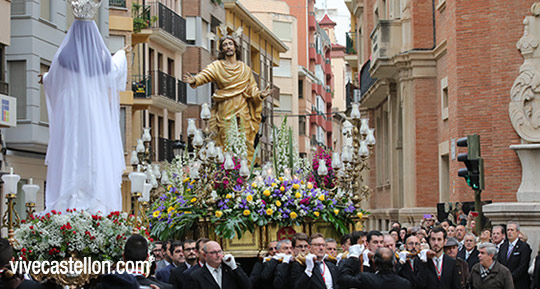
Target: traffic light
{"type": "Point", "coordinates": [474, 173]}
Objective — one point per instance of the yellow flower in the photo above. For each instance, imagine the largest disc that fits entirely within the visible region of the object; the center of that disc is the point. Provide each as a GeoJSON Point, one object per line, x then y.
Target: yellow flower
{"type": "Point", "coordinates": [296, 186]}
{"type": "Point", "coordinates": [219, 214]}
{"type": "Point", "coordinates": [269, 211]}
{"type": "Point", "coordinates": [302, 182]}
{"type": "Point", "coordinates": [266, 193]}
{"type": "Point", "coordinates": [186, 180]}
{"type": "Point", "coordinates": [249, 198]}
{"type": "Point", "coordinates": [155, 214]}
{"type": "Point", "coordinates": [282, 188]}
{"type": "Point", "coordinates": [187, 212]}
{"type": "Point", "coordinates": [359, 215]}
{"type": "Point", "coordinates": [193, 200]}
{"type": "Point", "coordinates": [298, 195]}
{"type": "Point", "coordinates": [170, 209]}
{"type": "Point", "coordinates": [281, 179]}
{"type": "Point", "coordinates": [254, 184]}
{"type": "Point", "coordinates": [316, 214]}
{"type": "Point", "coordinates": [188, 189]}
{"type": "Point", "coordinates": [192, 182]}
{"type": "Point", "coordinates": [274, 184]}
{"type": "Point", "coordinates": [228, 196]}
{"type": "Point", "coordinates": [309, 186]}
{"type": "Point", "coordinates": [293, 215]}
{"type": "Point", "coordinates": [278, 203]}
{"type": "Point", "coordinates": [246, 212]}
{"type": "Point", "coordinates": [321, 198]}
{"type": "Point", "coordinates": [336, 211]}
{"type": "Point", "coordinates": [169, 187]}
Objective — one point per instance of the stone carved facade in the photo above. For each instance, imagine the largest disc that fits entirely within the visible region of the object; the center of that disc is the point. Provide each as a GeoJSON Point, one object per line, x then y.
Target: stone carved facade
{"type": "Point", "coordinates": [524, 107]}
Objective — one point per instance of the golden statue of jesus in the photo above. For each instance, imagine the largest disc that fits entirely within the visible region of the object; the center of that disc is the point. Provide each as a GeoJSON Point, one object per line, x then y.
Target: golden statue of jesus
{"type": "Point", "coordinates": [238, 94]}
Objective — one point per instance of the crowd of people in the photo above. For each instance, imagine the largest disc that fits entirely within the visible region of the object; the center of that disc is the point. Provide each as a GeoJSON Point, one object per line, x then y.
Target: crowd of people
{"type": "Point", "coordinates": [434, 255]}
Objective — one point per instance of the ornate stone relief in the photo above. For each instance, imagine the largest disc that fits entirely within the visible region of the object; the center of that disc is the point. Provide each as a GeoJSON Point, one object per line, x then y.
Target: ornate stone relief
{"type": "Point", "coordinates": [524, 107]}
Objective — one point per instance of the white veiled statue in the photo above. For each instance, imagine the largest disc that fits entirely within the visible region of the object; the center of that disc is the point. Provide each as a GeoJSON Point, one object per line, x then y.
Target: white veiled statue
{"type": "Point", "coordinates": [85, 156]}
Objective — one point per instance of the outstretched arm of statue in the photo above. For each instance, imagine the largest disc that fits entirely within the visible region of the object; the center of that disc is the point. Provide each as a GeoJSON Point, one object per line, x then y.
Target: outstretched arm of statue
{"type": "Point", "coordinates": [188, 78]}
{"type": "Point", "coordinates": [266, 92]}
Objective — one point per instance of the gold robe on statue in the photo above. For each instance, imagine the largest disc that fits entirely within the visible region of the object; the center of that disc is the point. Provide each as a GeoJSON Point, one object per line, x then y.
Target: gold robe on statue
{"type": "Point", "coordinates": [238, 95]}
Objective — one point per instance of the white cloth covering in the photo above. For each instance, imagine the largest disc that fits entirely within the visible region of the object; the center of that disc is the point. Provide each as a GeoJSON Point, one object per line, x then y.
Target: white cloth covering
{"type": "Point", "coordinates": [85, 155]}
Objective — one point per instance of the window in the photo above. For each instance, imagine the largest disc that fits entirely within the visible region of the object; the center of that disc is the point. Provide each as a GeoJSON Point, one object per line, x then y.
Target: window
{"type": "Point", "coordinates": [444, 189]}
{"type": "Point", "coordinates": [18, 7]}
{"type": "Point", "coordinates": [45, 9]}
{"type": "Point", "coordinates": [116, 42]}
{"type": "Point", "coordinates": [284, 68]}
{"type": "Point", "coordinates": [302, 125]}
{"type": "Point", "coordinates": [70, 17]}
{"type": "Point", "coordinates": [300, 89]}
{"type": "Point", "coordinates": [170, 66]}
{"type": "Point", "coordinates": [17, 81]}
{"type": "Point", "coordinates": [171, 129]}
{"type": "Point", "coordinates": [43, 114]}
{"type": "Point", "coordinates": [123, 125]}
{"type": "Point", "coordinates": [205, 29]}
{"type": "Point", "coordinates": [444, 98]}
{"type": "Point", "coordinates": [282, 30]}
{"type": "Point", "coordinates": [191, 28]}
{"type": "Point", "coordinates": [285, 103]}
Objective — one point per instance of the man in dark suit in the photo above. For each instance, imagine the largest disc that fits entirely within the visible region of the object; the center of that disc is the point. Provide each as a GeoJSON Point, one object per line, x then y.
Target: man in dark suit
{"type": "Point", "coordinates": [451, 249]}
{"type": "Point", "coordinates": [385, 277]}
{"type": "Point", "coordinates": [136, 249]}
{"type": "Point", "coordinates": [180, 275]}
{"type": "Point", "coordinates": [177, 254]}
{"type": "Point", "coordinates": [375, 240]}
{"type": "Point", "coordinates": [438, 271]}
{"type": "Point", "coordinates": [262, 275]}
{"type": "Point", "coordinates": [515, 255]}
{"type": "Point", "coordinates": [407, 267]}
{"type": "Point", "coordinates": [469, 252]}
{"type": "Point", "coordinates": [219, 272]}
{"type": "Point", "coordinates": [316, 273]}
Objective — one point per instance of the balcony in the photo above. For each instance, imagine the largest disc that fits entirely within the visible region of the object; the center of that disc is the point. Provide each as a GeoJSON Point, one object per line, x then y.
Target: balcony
{"type": "Point", "coordinates": [350, 42]}
{"type": "Point", "coordinates": [328, 127]}
{"type": "Point", "coordinates": [165, 149]}
{"type": "Point", "coordinates": [385, 43]}
{"type": "Point", "coordinates": [311, 21]}
{"type": "Point", "coordinates": [312, 52]}
{"type": "Point", "coordinates": [372, 90]}
{"type": "Point", "coordinates": [159, 89]}
{"type": "Point", "coordinates": [275, 95]}
{"type": "Point", "coordinates": [117, 3]}
{"type": "Point", "coordinates": [328, 66]}
{"type": "Point", "coordinates": [166, 26]}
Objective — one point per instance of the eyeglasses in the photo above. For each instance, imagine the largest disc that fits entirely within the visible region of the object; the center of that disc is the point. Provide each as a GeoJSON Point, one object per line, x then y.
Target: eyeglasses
{"type": "Point", "coordinates": [215, 253]}
{"type": "Point", "coordinates": [318, 245]}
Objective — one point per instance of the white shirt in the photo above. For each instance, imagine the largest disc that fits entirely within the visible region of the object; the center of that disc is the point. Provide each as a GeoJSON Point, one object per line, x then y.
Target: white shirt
{"type": "Point", "coordinates": [439, 265]}
{"type": "Point", "coordinates": [325, 272]}
{"type": "Point", "coordinates": [216, 273]}
{"type": "Point", "coordinates": [468, 254]}
{"type": "Point", "coordinates": [512, 245]}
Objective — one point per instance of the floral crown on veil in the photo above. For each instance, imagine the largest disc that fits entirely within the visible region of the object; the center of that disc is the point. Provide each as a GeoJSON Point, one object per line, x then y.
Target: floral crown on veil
{"type": "Point", "coordinates": [85, 9]}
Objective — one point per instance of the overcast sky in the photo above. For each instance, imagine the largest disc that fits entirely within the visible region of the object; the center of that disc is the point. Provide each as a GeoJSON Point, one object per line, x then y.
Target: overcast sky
{"type": "Point", "coordinates": [338, 12]}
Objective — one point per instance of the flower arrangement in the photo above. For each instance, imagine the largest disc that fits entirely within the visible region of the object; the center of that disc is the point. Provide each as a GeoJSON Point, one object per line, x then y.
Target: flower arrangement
{"type": "Point", "coordinates": [56, 235]}
{"type": "Point", "coordinates": [258, 203]}
{"type": "Point", "coordinates": [292, 193]}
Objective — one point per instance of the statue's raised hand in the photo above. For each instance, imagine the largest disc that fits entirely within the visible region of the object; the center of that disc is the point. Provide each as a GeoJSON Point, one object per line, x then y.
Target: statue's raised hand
{"type": "Point", "coordinates": [188, 78]}
{"type": "Point", "coordinates": [267, 91]}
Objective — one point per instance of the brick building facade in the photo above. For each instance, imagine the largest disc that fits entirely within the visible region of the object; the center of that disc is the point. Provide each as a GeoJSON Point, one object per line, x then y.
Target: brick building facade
{"type": "Point", "coordinates": [430, 72]}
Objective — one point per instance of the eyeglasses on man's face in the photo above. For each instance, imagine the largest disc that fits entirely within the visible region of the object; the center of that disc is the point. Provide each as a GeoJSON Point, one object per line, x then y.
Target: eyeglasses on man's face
{"type": "Point", "coordinates": [215, 253]}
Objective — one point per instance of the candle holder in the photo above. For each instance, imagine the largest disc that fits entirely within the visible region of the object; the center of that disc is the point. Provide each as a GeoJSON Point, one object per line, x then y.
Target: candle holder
{"type": "Point", "coordinates": [11, 217]}
{"type": "Point", "coordinates": [135, 211]}
{"type": "Point", "coordinates": [30, 211]}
